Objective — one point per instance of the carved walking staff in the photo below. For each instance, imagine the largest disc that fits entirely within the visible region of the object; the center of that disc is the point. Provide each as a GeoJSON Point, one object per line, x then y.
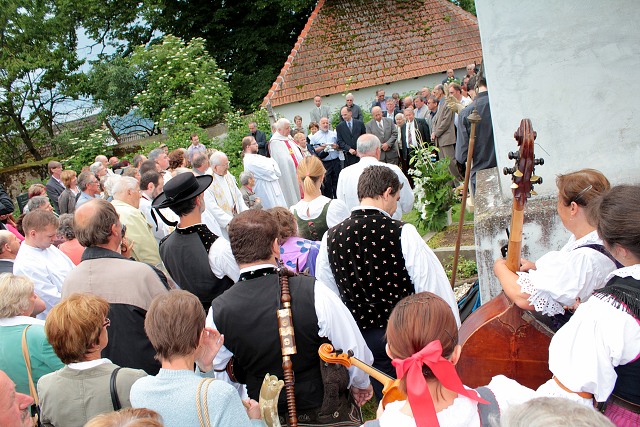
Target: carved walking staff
{"type": "Point", "coordinates": [287, 343]}
{"type": "Point", "coordinates": [474, 118]}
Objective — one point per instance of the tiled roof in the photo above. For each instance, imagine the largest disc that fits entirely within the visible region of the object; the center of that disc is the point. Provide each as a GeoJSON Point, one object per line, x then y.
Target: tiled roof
{"type": "Point", "coordinates": [354, 44]}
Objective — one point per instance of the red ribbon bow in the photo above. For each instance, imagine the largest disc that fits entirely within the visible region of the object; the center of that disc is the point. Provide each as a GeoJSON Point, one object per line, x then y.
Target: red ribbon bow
{"type": "Point", "coordinates": [420, 399]}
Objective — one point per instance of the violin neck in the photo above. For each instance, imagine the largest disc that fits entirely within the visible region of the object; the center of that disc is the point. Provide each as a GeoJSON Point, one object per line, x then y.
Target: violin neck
{"type": "Point", "coordinates": [373, 372]}
{"type": "Point", "coordinates": [515, 237]}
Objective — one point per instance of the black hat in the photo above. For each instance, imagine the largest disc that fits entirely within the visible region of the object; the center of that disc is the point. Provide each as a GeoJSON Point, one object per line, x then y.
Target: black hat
{"type": "Point", "coordinates": [184, 186]}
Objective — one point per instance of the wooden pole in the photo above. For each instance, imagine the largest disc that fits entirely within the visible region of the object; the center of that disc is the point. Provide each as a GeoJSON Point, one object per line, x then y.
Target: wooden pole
{"type": "Point", "coordinates": [474, 118]}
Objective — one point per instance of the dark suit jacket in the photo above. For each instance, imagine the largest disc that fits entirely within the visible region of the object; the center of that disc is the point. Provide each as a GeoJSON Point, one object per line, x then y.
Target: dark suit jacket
{"type": "Point", "coordinates": [261, 139]}
{"type": "Point", "coordinates": [356, 112]}
{"type": "Point", "coordinates": [6, 204]}
{"type": "Point", "coordinates": [349, 139]}
{"type": "Point", "coordinates": [6, 266]}
{"type": "Point", "coordinates": [386, 114]}
{"type": "Point", "coordinates": [54, 190]}
{"type": "Point", "coordinates": [422, 128]}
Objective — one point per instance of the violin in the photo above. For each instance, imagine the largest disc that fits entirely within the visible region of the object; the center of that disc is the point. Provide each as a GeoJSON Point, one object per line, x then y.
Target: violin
{"type": "Point", "coordinates": [390, 390]}
{"type": "Point", "coordinates": [500, 337]}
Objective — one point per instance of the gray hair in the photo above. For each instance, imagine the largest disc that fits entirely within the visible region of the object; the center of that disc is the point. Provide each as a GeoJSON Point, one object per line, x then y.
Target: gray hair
{"type": "Point", "coordinates": [217, 158]}
{"type": "Point", "coordinates": [84, 179]}
{"type": "Point", "coordinates": [95, 167]}
{"type": "Point", "coordinates": [110, 183]}
{"type": "Point", "coordinates": [36, 202]}
{"type": "Point", "coordinates": [5, 238]}
{"type": "Point", "coordinates": [552, 412]}
{"type": "Point", "coordinates": [368, 144]}
{"type": "Point", "coordinates": [282, 123]}
{"type": "Point", "coordinates": [199, 160]}
{"type": "Point", "coordinates": [245, 177]}
{"type": "Point", "coordinates": [155, 153]}
{"type": "Point", "coordinates": [123, 184]}
{"type": "Point", "coordinates": [65, 227]}
{"type": "Point", "coordinates": [100, 158]}
{"type": "Point", "coordinates": [15, 292]}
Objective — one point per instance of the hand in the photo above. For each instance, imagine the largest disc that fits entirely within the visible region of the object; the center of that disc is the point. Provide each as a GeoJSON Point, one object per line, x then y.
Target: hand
{"type": "Point", "coordinates": [126, 246]}
{"type": "Point", "coordinates": [526, 265]}
{"type": "Point", "coordinates": [499, 265]}
{"type": "Point", "coordinates": [253, 409]}
{"type": "Point", "coordinates": [352, 151]}
{"type": "Point", "coordinates": [573, 307]}
{"type": "Point", "coordinates": [362, 395]}
{"type": "Point", "coordinates": [385, 147]}
{"type": "Point", "coordinates": [210, 343]}
{"type": "Point", "coordinates": [258, 200]}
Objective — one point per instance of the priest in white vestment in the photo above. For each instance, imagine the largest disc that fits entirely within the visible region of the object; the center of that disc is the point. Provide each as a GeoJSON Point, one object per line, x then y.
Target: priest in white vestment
{"type": "Point", "coordinates": [284, 150]}
{"type": "Point", "coordinates": [266, 173]}
{"type": "Point", "coordinates": [43, 263]}
{"type": "Point", "coordinates": [223, 199]}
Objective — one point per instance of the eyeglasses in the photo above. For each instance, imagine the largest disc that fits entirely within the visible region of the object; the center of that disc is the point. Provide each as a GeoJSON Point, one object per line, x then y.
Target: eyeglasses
{"type": "Point", "coordinates": [106, 323]}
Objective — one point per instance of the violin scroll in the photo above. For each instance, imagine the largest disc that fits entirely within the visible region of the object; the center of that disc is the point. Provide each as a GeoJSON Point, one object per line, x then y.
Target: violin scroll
{"type": "Point", "coordinates": [328, 354]}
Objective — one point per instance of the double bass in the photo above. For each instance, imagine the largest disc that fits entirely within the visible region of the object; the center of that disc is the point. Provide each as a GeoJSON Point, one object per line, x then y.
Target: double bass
{"type": "Point", "coordinates": [500, 337]}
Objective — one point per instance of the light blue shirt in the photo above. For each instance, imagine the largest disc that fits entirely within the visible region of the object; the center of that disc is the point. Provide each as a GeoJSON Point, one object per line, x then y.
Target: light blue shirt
{"type": "Point", "coordinates": [325, 138]}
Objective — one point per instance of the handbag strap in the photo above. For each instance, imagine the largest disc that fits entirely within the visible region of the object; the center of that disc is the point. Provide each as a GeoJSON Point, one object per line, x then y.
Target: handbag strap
{"type": "Point", "coordinates": [201, 403]}
{"type": "Point", "coordinates": [27, 362]}
{"type": "Point", "coordinates": [115, 400]}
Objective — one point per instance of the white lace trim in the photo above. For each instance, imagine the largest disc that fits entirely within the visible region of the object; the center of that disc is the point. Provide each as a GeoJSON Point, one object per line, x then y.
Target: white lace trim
{"type": "Point", "coordinates": [540, 300]}
{"type": "Point", "coordinates": [590, 238]}
{"type": "Point", "coordinates": [631, 271]}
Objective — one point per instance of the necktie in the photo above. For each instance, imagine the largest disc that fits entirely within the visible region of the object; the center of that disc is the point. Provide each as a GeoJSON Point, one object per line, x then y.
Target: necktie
{"type": "Point", "coordinates": [349, 124]}
{"type": "Point", "coordinates": [410, 132]}
{"type": "Point", "coordinates": [380, 125]}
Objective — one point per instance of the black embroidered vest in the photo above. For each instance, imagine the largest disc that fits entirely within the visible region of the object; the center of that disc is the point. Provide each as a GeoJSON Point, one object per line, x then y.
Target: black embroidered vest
{"type": "Point", "coordinates": [246, 315]}
{"type": "Point", "coordinates": [185, 254]}
{"type": "Point", "coordinates": [365, 255]}
{"type": "Point", "coordinates": [626, 290]}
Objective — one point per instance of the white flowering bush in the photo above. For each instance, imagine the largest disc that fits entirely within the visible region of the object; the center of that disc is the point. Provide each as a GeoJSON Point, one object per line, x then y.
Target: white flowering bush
{"type": "Point", "coordinates": [183, 84]}
{"type": "Point", "coordinates": [434, 194]}
{"type": "Point", "coordinates": [86, 149]}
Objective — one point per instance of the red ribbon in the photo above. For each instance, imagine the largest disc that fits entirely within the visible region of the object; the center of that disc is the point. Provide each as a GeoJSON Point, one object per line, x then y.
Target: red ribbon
{"type": "Point", "coordinates": [420, 399]}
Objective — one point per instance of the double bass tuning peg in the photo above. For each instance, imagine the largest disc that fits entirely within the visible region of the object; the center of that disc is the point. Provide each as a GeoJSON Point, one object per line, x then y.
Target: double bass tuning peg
{"type": "Point", "coordinates": [539, 161]}
{"type": "Point", "coordinates": [508, 171]}
{"type": "Point", "coordinates": [514, 155]}
{"type": "Point", "coordinates": [536, 179]}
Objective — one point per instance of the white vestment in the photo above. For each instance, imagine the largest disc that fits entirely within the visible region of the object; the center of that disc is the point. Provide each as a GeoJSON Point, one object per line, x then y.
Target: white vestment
{"type": "Point", "coordinates": [222, 201]}
{"type": "Point", "coordinates": [284, 156]}
{"type": "Point", "coordinates": [267, 174]}
{"type": "Point", "coordinates": [47, 268]}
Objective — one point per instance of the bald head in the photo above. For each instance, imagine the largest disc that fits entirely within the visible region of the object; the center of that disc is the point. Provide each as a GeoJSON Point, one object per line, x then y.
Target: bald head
{"type": "Point", "coordinates": [9, 245]}
{"type": "Point", "coordinates": [94, 224]}
{"type": "Point", "coordinates": [369, 146]}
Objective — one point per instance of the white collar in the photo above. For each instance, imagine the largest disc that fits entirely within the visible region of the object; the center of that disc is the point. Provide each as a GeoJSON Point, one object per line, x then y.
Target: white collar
{"type": "Point", "coordinates": [20, 320]}
{"type": "Point", "coordinates": [370, 207]}
{"type": "Point", "coordinates": [630, 271]}
{"type": "Point", "coordinates": [256, 267]}
{"type": "Point", "coordinates": [82, 366]}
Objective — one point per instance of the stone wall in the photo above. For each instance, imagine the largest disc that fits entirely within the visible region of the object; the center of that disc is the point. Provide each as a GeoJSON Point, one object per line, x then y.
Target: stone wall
{"type": "Point", "coordinates": [17, 179]}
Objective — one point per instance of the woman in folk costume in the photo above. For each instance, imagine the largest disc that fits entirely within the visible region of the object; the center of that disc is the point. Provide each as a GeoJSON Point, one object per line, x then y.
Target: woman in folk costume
{"type": "Point", "coordinates": [558, 278]}
{"type": "Point", "coordinates": [596, 355]}
{"type": "Point", "coordinates": [286, 153]}
{"type": "Point", "coordinates": [422, 341]}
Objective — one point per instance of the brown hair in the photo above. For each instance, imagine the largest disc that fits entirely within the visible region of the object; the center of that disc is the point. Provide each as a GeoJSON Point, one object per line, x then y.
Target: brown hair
{"type": "Point", "coordinates": [251, 234]}
{"type": "Point", "coordinates": [127, 417]}
{"type": "Point", "coordinates": [95, 228]}
{"type": "Point", "coordinates": [176, 159]}
{"type": "Point", "coordinates": [310, 171]}
{"type": "Point", "coordinates": [581, 186]}
{"type": "Point", "coordinates": [36, 190]}
{"type": "Point", "coordinates": [246, 142]}
{"type": "Point", "coordinates": [38, 220]}
{"type": "Point", "coordinates": [174, 323]}
{"type": "Point", "coordinates": [616, 214]}
{"type": "Point", "coordinates": [287, 226]}
{"type": "Point", "coordinates": [313, 125]}
{"type": "Point", "coordinates": [418, 320]}
{"type": "Point", "coordinates": [375, 180]}
{"type": "Point", "coordinates": [75, 324]}
{"type": "Point", "coordinates": [67, 176]}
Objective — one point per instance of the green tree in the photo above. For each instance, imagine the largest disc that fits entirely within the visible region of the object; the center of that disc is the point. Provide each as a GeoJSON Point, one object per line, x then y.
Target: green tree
{"type": "Point", "coordinates": [39, 69]}
{"type": "Point", "coordinates": [182, 84]}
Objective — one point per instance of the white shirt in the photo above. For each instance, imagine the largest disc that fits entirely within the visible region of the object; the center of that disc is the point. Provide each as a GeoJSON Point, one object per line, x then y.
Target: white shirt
{"type": "Point", "coordinates": [336, 213]}
{"type": "Point", "coordinates": [562, 276]}
{"type": "Point", "coordinates": [334, 322]}
{"type": "Point", "coordinates": [424, 268]}
{"type": "Point", "coordinates": [267, 174]}
{"type": "Point", "coordinates": [47, 268]}
{"type": "Point", "coordinates": [347, 188]}
{"type": "Point", "coordinates": [158, 227]}
{"type": "Point", "coordinates": [83, 366]}
{"type": "Point", "coordinates": [222, 261]}
{"type": "Point", "coordinates": [584, 353]}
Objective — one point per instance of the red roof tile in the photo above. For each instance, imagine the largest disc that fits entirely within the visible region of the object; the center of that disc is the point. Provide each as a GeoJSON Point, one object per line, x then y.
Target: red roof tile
{"type": "Point", "coordinates": [353, 44]}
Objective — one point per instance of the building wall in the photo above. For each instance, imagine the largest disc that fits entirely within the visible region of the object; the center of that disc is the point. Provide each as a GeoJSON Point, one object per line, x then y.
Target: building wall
{"type": "Point", "coordinates": [362, 97]}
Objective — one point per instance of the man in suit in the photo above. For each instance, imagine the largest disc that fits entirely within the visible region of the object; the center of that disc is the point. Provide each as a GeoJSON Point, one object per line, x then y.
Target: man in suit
{"type": "Point", "coordinates": [319, 111]}
{"type": "Point", "coordinates": [9, 246]}
{"type": "Point", "coordinates": [391, 111]}
{"type": "Point", "coordinates": [443, 132]}
{"type": "Point", "coordinates": [55, 187]}
{"type": "Point", "coordinates": [432, 106]}
{"type": "Point", "coordinates": [380, 100]}
{"type": "Point", "coordinates": [386, 131]}
{"type": "Point", "coordinates": [260, 138]}
{"type": "Point", "coordinates": [414, 134]}
{"type": "Point", "coordinates": [356, 111]}
{"type": "Point", "coordinates": [421, 108]}
{"type": "Point", "coordinates": [348, 132]}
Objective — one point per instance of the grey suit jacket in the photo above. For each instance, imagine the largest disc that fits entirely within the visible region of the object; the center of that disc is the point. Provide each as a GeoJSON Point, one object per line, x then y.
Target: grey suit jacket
{"type": "Point", "coordinates": [443, 126]}
{"type": "Point", "coordinates": [6, 266]}
{"type": "Point", "coordinates": [388, 135]}
{"type": "Point", "coordinates": [316, 114]}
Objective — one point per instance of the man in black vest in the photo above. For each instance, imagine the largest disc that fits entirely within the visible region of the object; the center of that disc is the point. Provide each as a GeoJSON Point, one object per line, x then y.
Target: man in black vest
{"type": "Point", "coordinates": [246, 315]}
{"type": "Point", "coordinates": [373, 261]}
{"type": "Point", "coordinates": [194, 256]}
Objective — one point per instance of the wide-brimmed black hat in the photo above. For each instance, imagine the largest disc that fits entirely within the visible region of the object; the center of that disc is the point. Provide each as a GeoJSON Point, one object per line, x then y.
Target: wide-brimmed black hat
{"type": "Point", "coordinates": [182, 187]}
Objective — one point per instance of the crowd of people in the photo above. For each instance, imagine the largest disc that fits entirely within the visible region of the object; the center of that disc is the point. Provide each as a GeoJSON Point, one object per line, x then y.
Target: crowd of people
{"type": "Point", "coordinates": [155, 291]}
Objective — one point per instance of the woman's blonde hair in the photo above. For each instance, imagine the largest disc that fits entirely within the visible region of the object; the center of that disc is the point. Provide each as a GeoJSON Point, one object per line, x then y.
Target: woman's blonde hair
{"type": "Point", "coordinates": [15, 292]}
{"type": "Point", "coordinates": [310, 170]}
{"type": "Point", "coordinates": [128, 417]}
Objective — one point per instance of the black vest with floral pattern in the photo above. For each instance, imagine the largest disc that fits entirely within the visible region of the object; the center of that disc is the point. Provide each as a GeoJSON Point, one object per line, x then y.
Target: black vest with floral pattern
{"type": "Point", "coordinates": [365, 255]}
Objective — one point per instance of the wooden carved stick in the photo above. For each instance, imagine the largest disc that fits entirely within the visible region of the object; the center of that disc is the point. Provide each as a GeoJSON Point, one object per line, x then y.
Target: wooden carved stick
{"type": "Point", "coordinates": [287, 343]}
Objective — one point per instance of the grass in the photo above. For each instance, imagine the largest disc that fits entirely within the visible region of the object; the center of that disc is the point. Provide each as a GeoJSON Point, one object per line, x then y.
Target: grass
{"type": "Point", "coordinates": [369, 409]}
{"type": "Point", "coordinates": [466, 268]}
